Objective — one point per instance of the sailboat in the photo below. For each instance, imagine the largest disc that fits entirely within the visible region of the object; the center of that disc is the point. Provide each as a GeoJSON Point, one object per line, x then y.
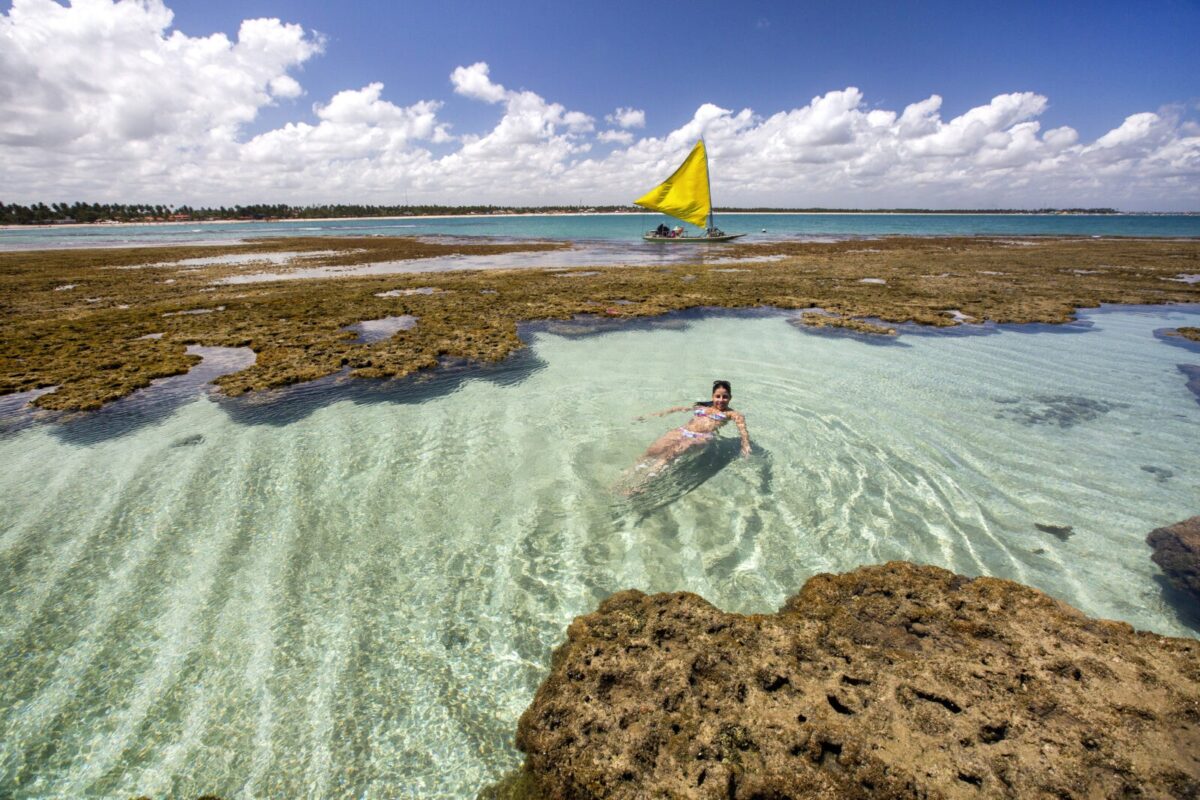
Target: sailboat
{"type": "Point", "coordinates": [686, 196]}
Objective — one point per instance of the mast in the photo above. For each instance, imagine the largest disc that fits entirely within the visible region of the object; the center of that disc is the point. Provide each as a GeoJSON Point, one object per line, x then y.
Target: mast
{"type": "Point", "coordinates": [708, 177]}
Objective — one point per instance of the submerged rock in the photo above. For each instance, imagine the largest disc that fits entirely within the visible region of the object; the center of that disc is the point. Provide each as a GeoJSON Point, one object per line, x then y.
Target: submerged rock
{"type": "Point", "coordinates": [189, 441]}
{"type": "Point", "coordinates": [1161, 474]}
{"type": "Point", "coordinates": [1177, 552]}
{"type": "Point", "coordinates": [1063, 410]}
{"type": "Point", "coordinates": [1193, 375]}
{"type": "Point", "coordinates": [1060, 532]}
{"type": "Point", "coordinates": [890, 681]}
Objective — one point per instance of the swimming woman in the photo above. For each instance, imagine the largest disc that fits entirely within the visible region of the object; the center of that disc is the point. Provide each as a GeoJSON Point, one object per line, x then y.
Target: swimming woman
{"type": "Point", "coordinates": [702, 428]}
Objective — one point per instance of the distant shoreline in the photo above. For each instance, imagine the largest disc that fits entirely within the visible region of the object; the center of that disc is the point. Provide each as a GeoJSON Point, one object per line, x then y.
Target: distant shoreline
{"type": "Point", "coordinates": [882, 213]}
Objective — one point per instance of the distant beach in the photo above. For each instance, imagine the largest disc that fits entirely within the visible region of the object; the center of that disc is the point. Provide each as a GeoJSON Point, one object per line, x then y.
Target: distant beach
{"type": "Point", "coordinates": [622, 228]}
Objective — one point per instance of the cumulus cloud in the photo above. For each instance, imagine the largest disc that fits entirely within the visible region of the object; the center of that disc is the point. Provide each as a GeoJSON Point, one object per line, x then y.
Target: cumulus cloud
{"type": "Point", "coordinates": [627, 118]}
{"type": "Point", "coordinates": [123, 107]}
{"type": "Point", "coordinates": [615, 137]}
{"type": "Point", "coordinates": [99, 73]}
{"type": "Point", "coordinates": [473, 82]}
{"type": "Point", "coordinates": [355, 124]}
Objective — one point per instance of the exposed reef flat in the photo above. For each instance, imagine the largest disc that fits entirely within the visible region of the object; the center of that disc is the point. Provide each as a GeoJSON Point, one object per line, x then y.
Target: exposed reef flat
{"type": "Point", "coordinates": [890, 681]}
{"type": "Point", "coordinates": [74, 320]}
{"type": "Point", "coordinates": [1189, 333]}
{"type": "Point", "coordinates": [821, 320]}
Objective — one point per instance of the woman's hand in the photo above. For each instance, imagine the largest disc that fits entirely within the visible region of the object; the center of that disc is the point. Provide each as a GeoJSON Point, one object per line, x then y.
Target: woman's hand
{"type": "Point", "coordinates": [746, 450]}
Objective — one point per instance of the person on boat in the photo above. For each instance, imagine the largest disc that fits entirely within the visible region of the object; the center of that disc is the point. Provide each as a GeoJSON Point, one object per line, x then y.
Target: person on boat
{"type": "Point", "coordinates": [661, 230]}
{"type": "Point", "coordinates": [677, 232]}
{"type": "Point", "coordinates": [700, 429]}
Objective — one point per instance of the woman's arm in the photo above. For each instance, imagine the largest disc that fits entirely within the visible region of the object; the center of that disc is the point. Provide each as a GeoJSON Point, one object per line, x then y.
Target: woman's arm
{"type": "Point", "coordinates": [740, 421]}
{"type": "Point", "coordinates": [671, 410]}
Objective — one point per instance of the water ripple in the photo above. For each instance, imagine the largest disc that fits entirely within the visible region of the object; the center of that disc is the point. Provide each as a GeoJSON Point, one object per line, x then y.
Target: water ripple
{"type": "Point", "coordinates": [354, 589]}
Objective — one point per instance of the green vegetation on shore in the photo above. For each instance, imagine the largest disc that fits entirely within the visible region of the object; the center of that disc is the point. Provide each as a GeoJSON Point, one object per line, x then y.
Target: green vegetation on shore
{"type": "Point", "coordinates": [83, 213]}
{"type": "Point", "coordinates": [77, 319]}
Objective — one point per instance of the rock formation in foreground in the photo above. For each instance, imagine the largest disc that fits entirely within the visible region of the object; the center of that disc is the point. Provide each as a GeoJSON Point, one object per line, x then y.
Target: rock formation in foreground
{"type": "Point", "coordinates": [890, 681]}
{"type": "Point", "coordinates": [1177, 551]}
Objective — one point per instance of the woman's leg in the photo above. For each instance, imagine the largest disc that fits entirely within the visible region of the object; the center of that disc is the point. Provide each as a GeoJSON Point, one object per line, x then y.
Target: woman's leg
{"type": "Point", "coordinates": [665, 449]}
{"type": "Point", "coordinates": [668, 448]}
{"type": "Point", "coordinates": [664, 444]}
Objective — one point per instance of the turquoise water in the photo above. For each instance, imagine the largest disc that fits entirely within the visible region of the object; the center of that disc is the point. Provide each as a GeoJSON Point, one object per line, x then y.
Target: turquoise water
{"type": "Point", "coordinates": [351, 589]}
{"type": "Point", "coordinates": [615, 227]}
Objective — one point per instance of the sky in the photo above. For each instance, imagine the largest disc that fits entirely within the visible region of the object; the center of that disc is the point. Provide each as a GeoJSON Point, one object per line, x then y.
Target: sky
{"type": "Point", "coordinates": [837, 105]}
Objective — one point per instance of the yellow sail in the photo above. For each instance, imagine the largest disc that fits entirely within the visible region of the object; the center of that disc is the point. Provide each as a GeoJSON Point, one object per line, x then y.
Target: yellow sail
{"type": "Point", "coordinates": [684, 195]}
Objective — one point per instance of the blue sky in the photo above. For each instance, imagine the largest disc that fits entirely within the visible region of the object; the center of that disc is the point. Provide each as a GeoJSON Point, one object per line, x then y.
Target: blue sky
{"type": "Point", "coordinates": [838, 104]}
{"type": "Point", "coordinates": [1097, 62]}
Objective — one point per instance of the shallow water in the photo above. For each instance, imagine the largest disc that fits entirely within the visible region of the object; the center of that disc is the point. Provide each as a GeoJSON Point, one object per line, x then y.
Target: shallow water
{"type": "Point", "coordinates": [627, 228]}
{"type": "Point", "coordinates": [352, 588]}
{"type": "Point", "coordinates": [588, 253]}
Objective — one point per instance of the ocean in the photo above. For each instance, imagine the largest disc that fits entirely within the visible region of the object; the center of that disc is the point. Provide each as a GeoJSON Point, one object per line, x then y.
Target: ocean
{"type": "Point", "coordinates": [352, 588]}
{"type": "Point", "coordinates": [613, 228]}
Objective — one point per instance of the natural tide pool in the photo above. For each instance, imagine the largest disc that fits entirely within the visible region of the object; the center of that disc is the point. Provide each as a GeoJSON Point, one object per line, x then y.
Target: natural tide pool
{"type": "Point", "coordinates": [352, 590]}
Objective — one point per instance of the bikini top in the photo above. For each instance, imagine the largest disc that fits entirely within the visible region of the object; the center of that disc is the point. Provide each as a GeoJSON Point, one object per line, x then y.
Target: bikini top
{"type": "Point", "coordinates": [717, 415]}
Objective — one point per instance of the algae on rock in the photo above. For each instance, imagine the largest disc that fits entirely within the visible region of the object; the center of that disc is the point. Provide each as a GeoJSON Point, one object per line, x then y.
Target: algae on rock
{"type": "Point", "coordinates": [91, 341]}
{"type": "Point", "coordinates": [889, 681]}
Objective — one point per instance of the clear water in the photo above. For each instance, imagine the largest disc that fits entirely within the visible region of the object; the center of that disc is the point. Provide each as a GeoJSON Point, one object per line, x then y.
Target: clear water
{"type": "Point", "coordinates": [613, 228]}
{"type": "Point", "coordinates": [351, 589]}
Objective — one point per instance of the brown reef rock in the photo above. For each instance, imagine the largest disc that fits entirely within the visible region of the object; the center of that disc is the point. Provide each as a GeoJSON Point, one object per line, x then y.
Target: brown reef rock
{"type": "Point", "coordinates": [890, 681]}
{"type": "Point", "coordinates": [1177, 551]}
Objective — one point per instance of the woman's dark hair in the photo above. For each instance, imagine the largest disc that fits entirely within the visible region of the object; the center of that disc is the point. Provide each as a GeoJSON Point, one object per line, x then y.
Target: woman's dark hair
{"type": "Point", "coordinates": [723, 385]}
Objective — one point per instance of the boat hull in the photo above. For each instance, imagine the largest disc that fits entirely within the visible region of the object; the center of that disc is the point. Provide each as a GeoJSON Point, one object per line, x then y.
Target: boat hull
{"type": "Point", "coordinates": [724, 237]}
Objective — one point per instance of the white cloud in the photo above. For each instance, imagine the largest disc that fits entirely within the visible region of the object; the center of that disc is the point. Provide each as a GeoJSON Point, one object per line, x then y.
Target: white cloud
{"type": "Point", "coordinates": [355, 124]}
{"type": "Point", "coordinates": [1060, 138]}
{"type": "Point", "coordinates": [615, 137]}
{"type": "Point", "coordinates": [968, 133]}
{"type": "Point", "coordinates": [1133, 131]}
{"type": "Point", "coordinates": [285, 86]}
{"type": "Point", "coordinates": [473, 81]}
{"type": "Point", "coordinates": [120, 104]}
{"type": "Point", "coordinates": [114, 75]}
{"type": "Point", "coordinates": [126, 108]}
{"type": "Point", "coordinates": [627, 118]}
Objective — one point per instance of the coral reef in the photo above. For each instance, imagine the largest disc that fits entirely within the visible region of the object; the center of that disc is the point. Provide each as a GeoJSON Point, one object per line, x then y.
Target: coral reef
{"type": "Point", "coordinates": [92, 341]}
{"type": "Point", "coordinates": [815, 320]}
{"type": "Point", "coordinates": [889, 681]}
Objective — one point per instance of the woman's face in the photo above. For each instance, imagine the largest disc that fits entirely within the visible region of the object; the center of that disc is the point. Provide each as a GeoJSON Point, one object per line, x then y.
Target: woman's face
{"type": "Point", "coordinates": [721, 397]}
